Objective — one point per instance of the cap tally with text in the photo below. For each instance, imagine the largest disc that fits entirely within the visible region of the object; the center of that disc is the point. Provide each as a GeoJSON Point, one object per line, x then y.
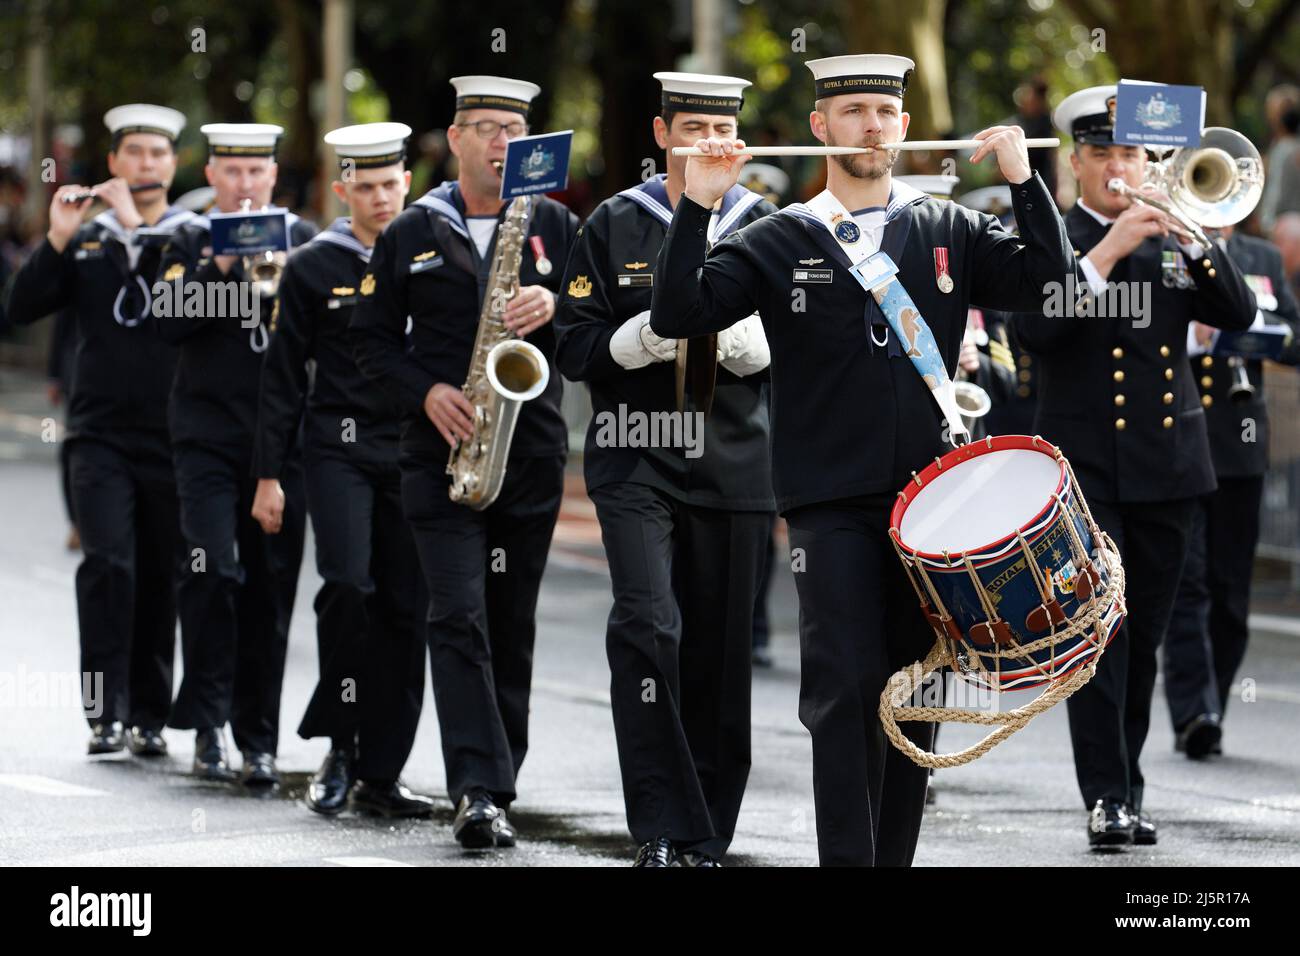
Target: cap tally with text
{"type": "Point", "coordinates": [702, 93]}
{"type": "Point", "coordinates": [1088, 115]}
{"type": "Point", "coordinates": [144, 118]}
{"type": "Point", "coordinates": [937, 186]}
{"type": "Point", "coordinates": [861, 73]}
{"type": "Point", "coordinates": [241, 139]}
{"type": "Point", "coordinates": [369, 145]}
{"type": "Point", "coordinates": [494, 93]}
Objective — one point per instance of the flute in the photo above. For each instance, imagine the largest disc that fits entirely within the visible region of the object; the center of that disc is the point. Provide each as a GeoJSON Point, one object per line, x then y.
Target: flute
{"type": "Point", "coordinates": [91, 194]}
{"type": "Point", "coordinates": [1043, 143]}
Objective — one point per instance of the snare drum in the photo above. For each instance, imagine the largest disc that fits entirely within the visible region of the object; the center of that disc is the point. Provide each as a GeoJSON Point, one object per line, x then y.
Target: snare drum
{"type": "Point", "coordinates": [1007, 562]}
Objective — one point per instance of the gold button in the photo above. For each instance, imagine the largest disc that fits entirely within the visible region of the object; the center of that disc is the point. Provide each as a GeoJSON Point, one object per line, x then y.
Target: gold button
{"type": "Point", "coordinates": [1168, 398]}
{"type": "Point", "coordinates": [1119, 424]}
{"type": "Point", "coordinates": [1168, 422]}
{"type": "Point", "coordinates": [1164, 351]}
{"type": "Point", "coordinates": [1207, 361]}
{"type": "Point", "coordinates": [1207, 400]}
{"type": "Point", "coordinates": [1211, 273]}
{"type": "Point", "coordinates": [1206, 262]}
{"type": "Point", "coordinates": [1023, 391]}
{"type": "Point", "coordinates": [1077, 253]}
{"type": "Point", "coordinates": [1026, 361]}
{"type": "Point", "coordinates": [1024, 375]}
{"type": "Point", "coordinates": [1119, 375]}
{"type": "Point", "coordinates": [1207, 381]}
{"type": "Point", "coordinates": [1169, 374]}
{"type": "Point", "coordinates": [1117, 352]}
{"type": "Point", "coordinates": [1119, 399]}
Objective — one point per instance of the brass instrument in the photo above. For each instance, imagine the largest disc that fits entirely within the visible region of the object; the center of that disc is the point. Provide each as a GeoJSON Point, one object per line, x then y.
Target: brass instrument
{"type": "Point", "coordinates": [263, 270]}
{"type": "Point", "coordinates": [504, 372]}
{"type": "Point", "coordinates": [1211, 186]}
{"type": "Point", "coordinates": [1241, 390]}
{"type": "Point", "coordinates": [972, 401]}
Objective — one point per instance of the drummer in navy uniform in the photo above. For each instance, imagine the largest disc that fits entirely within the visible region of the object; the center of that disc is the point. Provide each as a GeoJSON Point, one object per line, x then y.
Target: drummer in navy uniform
{"type": "Point", "coordinates": [852, 419]}
{"type": "Point", "coordinates": [483, 568]}
{"type": "Point", "coordinates": [122, 487]}
{"type": "Point", "coordinates": [370, 608]}
{"type": "Point", "coordinates": [685, 525]}
{"type": "Point", "coordinates": [1208, 630]}
{"type": "Point", "coordinates": [1118, 396]}
{"type": "Point", "coordinates": [238, 584]}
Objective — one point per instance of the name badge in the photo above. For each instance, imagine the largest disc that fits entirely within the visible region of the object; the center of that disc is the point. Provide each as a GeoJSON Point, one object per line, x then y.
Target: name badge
{"type": "Point", "coordinates": [813, 275]}
{"type": "Point", "coordinates": [634, 280]}
{"type": "Point", "coordinates": [83, 253]}
{"type": "Point", "coordinates": [341, 303]}
{"type": "Point", "coordinates": [425, 265]}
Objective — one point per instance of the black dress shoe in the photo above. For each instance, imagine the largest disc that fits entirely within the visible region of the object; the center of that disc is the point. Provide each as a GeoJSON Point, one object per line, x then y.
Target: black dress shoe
{"type": "Point", "coordinates": [259, 770]}
{"type": "Point", "coordinates": [390, 799]}
{"type": "Point", "coordinates": [1109, 824]}
{"type": "Point", "coordinates": [327, 791]}
{"type": "Point", "coordinates": [1144, 831]}
{"type": "Point", "coordinates": [695, 858]}
{"type": "Point", "coordinates": [481, 823]}
{"type": "Point", "coordinates": [658, 852]}
{"type": "Point", "coordinates": [210, 759]}
{"type": "Point", "coordinates": [106, 738]}
{"type": "Point", "coordinates": [147, 742]}
{"type": "Point", "coordinates": [1200, 737]}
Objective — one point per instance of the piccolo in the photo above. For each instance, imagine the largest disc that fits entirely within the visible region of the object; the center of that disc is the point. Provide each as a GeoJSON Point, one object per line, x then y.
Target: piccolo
{"type": "Point", "coordinates": [91, 194]}
{"type": "Point", "coordinates": [1044, 143]}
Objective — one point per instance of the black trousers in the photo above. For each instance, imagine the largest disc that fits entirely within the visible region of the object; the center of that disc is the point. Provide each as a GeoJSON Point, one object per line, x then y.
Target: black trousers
{"type": "Point", "coordinates": [679, 641]}
{"type": "Point", "coordinates": [859, 622]}
{"type": "Point", "coordinates": [369, 614]}
{"type": "Point", "coordinates": [124, 498]}
{"type": "Point", "coordinates": [483, 570]}
{"type": "Point", "coordinates": [1110, 715]}
{"type": "Point", "coordinates": [1208, 631]}
{"type": "Point", "coordinates": [236, 597]}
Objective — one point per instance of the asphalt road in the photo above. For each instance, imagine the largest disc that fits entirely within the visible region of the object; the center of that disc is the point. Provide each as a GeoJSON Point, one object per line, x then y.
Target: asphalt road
{"type": "Point", "coordinates": [1016, 806]}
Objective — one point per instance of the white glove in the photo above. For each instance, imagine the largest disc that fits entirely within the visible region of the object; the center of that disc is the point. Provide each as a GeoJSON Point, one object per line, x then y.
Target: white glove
{"type": "Point", "coordinates": [633, 345]}
{"type": "Point", "coordinates": [742, 349]}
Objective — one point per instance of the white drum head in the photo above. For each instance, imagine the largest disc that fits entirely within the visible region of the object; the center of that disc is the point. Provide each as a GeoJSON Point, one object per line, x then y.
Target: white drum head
{"type": "Point", "coordinates": [980, 501]}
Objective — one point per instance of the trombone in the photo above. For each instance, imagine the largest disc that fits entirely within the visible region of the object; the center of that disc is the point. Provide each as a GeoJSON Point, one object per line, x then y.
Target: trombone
{"type": "Point", "coordinates": [1211, 186]}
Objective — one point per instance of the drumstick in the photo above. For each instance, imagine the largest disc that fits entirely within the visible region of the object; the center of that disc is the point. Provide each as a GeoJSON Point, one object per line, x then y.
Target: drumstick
{"type": "Point", "coordinates": [1044, 143]}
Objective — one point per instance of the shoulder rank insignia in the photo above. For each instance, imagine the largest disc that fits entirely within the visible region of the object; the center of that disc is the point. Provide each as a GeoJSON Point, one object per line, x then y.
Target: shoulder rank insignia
{"type": "Point", "coordinates": [174, 271]}
{"type": "Point", "coordinates": [580, 288]}
{"type": "Point", "coordinates": [367, 284]}
{"type": "Point", "coordinates": [635, 265]}
{"type": "Point", "coordinates": [343, 290]}
{"type": "Point", "coordinates": [811, 262]}
{"type": "Point", "coordinates": [424, 256]}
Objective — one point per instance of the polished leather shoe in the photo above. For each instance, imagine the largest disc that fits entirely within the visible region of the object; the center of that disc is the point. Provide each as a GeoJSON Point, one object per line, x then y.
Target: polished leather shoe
{"type": "Point", "coordinates": [259, 770]}
{"type": "Point", "coordinates": [1144, 830]}
{"type": "Point", "coordinates": [210, 759]}
{"type": "Point", "coordinates": [327, 791]}
{"type": "Point", "coordinates": [106, 738]}
{"type": "Point", "coordinates": [1201, 737]}
{"type": "Point", "coordinates": [481, 823]}
{"type": "Point", "coordinates": [1109, 824]}
{"type": "Point", "coordinates": [658, 852]}
{"type": "Point", "coordinates": [390, 799]}
{"type": "Point", "coordinates": [146, 742]}
{"type": "Point", "coordinates": [695, 858]}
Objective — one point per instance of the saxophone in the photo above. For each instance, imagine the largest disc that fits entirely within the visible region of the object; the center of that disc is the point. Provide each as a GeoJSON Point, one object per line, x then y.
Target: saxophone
{"type": "Point", "coordinates": [504, 372]}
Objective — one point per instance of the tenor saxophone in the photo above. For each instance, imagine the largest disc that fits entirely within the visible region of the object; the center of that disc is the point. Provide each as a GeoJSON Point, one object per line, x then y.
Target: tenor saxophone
{"type": "Point", "coordinates": [504, 372]}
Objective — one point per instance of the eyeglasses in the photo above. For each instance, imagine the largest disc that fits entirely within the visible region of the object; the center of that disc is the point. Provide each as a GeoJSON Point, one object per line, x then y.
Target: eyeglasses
{"type": "Point", "coordinates": [488, 129]}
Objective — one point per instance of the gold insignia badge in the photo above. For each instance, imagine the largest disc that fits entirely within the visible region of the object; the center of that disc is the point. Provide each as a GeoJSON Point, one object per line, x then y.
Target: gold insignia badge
{"type": "Point", "coordinates": [811, 262]}
{"type": "Point", "coordinates": [580, 288]}
{"type": "Point", "coordinates": [343, 290]}
{"type": "Point", "coordinates": [275, 314]}
{"type": "Point", "coordinates": [367, 284]}
{"type": "Point", "coordinates": [90, 245]}
{"type": "Point", "coordinates": [174, 271]}
{"type": "Point", "coordinates": [635, 265]}
{"type": "Point", "coordinates": [424, 256]}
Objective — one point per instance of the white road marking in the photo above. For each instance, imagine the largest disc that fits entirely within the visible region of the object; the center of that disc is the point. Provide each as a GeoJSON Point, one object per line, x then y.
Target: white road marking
{"type": "Point", "coordinates": [1275, 623]}
{"type": "Point", "coordinates": [47, 786]}
{"type": "Point", "coordinates": [363, 861]}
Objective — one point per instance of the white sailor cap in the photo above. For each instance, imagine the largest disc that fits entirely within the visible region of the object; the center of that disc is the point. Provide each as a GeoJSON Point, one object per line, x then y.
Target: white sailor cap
{"type": "Point", "coordinates": [765, 178]}
{"type": "Point", "coordinates": [144, 118]}
{"type": "Point", "coordinates": [241, 139]}
{"type": "Point", "coordinates": [994, 200]}
{"type": "Point", "coordinates": [369, 145]}
{"type": "Point", "coordinates": [861, 73]}
{"type": "Point", "coordinates": [494, 93]}
{"type": "Point", "coordinates": [702, 93]}
{"type": "Point", "coordinates": [938, 186]}
{"type": "Point", "coordinates": [1088, 115]}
